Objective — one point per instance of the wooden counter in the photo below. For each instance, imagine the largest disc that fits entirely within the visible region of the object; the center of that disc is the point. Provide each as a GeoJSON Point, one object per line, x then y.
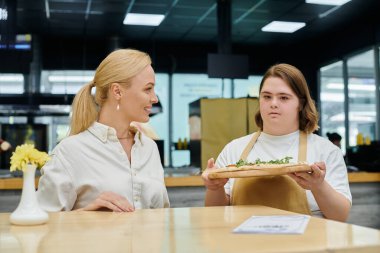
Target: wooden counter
{"type": "Point", "coordinates": [16, 183]}
{"type": "Point", "coordinates": [363, 177]}
{"type": "Point", "coordinates": [355, 177]}
{"type": "Point", "coordinates": [196, 229]}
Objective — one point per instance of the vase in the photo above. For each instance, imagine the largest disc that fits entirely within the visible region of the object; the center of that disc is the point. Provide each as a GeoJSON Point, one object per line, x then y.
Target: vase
{"type": "Point", "coordinates": [28, 211]}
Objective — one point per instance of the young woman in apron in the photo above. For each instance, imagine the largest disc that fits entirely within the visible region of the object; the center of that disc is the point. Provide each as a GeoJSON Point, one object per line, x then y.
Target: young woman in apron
{"type": "Point", "coordinates": [287, 119]}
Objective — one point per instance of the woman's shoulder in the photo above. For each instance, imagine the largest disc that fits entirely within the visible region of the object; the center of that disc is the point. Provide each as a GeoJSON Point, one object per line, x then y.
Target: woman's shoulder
{"type": "Point", "coordinates": [71, 143]}
{"type": "Point", "coordinates": [145, 140]}
{"type": "Point", "coordinates": [322, 143]}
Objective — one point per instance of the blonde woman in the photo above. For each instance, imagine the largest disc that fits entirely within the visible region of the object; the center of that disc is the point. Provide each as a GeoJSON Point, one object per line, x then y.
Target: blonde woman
{"type": "Point", "coordinates": [105, 163]}
{"type": "Point", "coordinates": [287, 119]}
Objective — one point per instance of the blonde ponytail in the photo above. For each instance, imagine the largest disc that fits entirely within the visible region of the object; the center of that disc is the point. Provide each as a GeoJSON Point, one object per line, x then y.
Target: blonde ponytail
{"type": "Point", "coordinates": [119, 66]}
{"type": "Point", "coordinates": [84, 110]}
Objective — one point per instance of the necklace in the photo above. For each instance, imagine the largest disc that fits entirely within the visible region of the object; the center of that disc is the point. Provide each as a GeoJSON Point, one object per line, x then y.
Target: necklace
{"type": "Point", "coordinates": [123, 138]}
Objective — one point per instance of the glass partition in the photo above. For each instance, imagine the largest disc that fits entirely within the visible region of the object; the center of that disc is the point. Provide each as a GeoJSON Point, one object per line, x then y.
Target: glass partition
{"type": "Point", "coordinates": [11, 83]}
{"type": "Point", "coordinates": [247, 87]}
{"type": "Point", "coordinates": [362, 96]}
{"type": "Point", "coordinates": [64, 81]}
{"type": "Point", "coordinates": [160, 121]}
{"type": "Point", "coordinates": [332, 101]}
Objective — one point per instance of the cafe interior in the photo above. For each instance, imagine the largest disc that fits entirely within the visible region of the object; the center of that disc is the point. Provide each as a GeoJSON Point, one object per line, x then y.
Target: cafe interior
{"type": "Point", "coordinates": [209, 57]}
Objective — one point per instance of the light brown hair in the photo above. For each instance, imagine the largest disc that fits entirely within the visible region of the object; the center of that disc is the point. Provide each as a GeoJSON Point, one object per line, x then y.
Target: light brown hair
{"type": "Point", "coordinates": [118, 67]}
{"type": "Point", "coordinates": [308, 115]}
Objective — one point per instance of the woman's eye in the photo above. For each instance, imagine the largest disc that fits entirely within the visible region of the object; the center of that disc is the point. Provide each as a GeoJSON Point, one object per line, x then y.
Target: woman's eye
{"type": "Point", "coordinates": [284, 98]}
{"type": "Point", "coordinates": [266, 97]}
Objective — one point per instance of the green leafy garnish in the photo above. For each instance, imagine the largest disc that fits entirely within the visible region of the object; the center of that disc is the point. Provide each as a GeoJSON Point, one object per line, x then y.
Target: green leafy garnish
{"type": "Point", "coordinates": [258, 161]}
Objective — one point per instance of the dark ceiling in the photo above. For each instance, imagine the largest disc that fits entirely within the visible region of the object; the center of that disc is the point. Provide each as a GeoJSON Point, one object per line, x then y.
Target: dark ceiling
{"type": "Point", "coordinates": [78, 34]}
{"type": "Point", "coordinates": [185, 20]}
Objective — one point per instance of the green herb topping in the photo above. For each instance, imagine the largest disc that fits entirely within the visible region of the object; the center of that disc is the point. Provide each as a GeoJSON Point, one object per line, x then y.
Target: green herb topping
{"type": "Point", "coordinates": [258, 161]}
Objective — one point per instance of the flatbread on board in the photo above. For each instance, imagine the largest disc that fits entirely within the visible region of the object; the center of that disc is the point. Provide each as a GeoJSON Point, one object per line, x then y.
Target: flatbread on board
{"type": "Point", "coordinates": [259, 170]}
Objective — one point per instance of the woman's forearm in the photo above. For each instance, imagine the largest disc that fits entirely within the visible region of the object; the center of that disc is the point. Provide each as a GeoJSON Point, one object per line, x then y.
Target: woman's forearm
{"type": "Point", "coordinates": [217, 198]}
{"type": "Point", "coordinates": [332, 204]}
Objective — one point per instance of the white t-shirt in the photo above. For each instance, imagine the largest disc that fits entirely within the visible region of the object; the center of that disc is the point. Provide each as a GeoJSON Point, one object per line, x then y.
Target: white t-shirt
{"type": "Point", "coordinates": [87, 164]}
{"type": "Point", "coordinates": [269, 147]}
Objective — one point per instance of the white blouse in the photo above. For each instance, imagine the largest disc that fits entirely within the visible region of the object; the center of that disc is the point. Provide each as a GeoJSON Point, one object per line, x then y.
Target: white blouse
{"type": "Point", "coordinates": [92, 162]}
{"type": "Point", "coordinates": [269, 147]}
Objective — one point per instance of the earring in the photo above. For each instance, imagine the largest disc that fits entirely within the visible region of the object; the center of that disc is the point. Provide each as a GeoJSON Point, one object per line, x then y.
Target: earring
{"type": "Point", "coordinates": [118, 106]}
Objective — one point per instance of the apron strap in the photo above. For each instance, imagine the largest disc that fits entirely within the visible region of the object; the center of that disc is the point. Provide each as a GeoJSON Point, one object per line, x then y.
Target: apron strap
{"type": "Point", "coordinates": [250, 145]}
{"type": "Point", "coordinates": [302, 148]}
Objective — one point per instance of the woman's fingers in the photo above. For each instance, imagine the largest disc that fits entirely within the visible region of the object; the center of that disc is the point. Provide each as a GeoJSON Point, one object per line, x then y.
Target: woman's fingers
{"type": "Point", "coordinates": [305, 175]}
{"type": "Point", "coordinates": [299, 180]}
{"type": "Point", "coordinates": [100, 203]}
{"type": "Point", "coordinates": [210, 163]}
{"type": "Point", "coordinates": [316, 172]}
{"type": "Point", "coordinates": [109, 205]}
{"type": "Point", "coordinates": [111, 201]}
{"type": "Point", "coordinates": [320, 165]}
{"type": "Point", "coordinates": [311, 180]}
{"type": "Point", "coordinates": [212, 184]}
{"type": "Point", "coordinates": [215, 184]}
{"type": "Point", "coordinates": [118, 201]}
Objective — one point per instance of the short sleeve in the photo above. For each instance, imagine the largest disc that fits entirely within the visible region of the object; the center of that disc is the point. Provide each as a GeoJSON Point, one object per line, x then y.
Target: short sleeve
{"type": "Point", "coordinates": [56, 191]}
{"type": "Point", "coordinates": [336, 174]}
{"type": "Point", "coordinates": [221, 161]}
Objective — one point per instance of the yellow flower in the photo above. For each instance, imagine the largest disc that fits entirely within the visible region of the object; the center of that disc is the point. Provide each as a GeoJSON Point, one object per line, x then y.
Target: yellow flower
{"type": "Point", "coordinates": [25, 154]}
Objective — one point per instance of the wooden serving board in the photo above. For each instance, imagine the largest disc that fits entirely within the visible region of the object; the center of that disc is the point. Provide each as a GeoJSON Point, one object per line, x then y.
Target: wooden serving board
{"type": "Point", "coordinates": [258, 170]}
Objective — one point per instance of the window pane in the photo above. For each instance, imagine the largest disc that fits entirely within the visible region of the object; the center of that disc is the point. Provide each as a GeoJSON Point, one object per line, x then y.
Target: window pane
{"type": "Point", "coordinates": [57, 128]}
{"type": "Point", "coordinates": [160, 121]}
{"type": "Point", "coordinates": [186, 89]}
{"type": "Point", "coordinates": [332, 101]}
{"type": "Point", "coordinates": [247, 87]}
{"type": "Point", "coordinates": [362, 96]}
{"type": "Point", "coordinates": [64, 81]}
{"type": "Point", "coordinates": [11, 83]}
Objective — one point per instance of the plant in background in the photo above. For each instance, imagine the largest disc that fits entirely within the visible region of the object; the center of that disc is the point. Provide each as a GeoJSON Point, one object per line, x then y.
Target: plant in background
{"type": "Point", "coordinates": [27, 154]}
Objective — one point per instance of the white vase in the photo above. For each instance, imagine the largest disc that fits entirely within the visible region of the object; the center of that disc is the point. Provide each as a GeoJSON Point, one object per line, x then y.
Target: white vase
{"type": "Point", "coordinates": [28, 212]}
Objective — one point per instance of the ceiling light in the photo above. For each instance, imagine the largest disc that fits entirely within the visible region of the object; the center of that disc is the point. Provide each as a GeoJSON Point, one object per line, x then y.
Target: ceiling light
{"type": "Point", "coordinates": [3, 14]}
{"type": "Point", "coordinates": [327, 2]}
{"type": "Point", "coordinates": [143, 19]}
{"type": "Point", "coordinates": [283, 26]}
{"type": "Point", "coordinates": [47, 9]}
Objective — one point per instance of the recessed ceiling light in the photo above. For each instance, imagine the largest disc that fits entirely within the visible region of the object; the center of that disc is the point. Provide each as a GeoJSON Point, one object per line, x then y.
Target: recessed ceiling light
{"type": "Point", "coordinates": [143, 19]}
{"type": "Point", "coordinates": [327, 2]}
{"type": "Point", "coordinates": [3, 14]}
{"type": "Point", "coordinates": [283, 27]}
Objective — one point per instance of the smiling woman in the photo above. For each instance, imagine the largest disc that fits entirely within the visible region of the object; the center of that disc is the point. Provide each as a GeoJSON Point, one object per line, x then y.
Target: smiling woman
{"type": "Point", "coordinates": [287, 119]}
{"type": "Point", "coordinates": [106, 163]}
